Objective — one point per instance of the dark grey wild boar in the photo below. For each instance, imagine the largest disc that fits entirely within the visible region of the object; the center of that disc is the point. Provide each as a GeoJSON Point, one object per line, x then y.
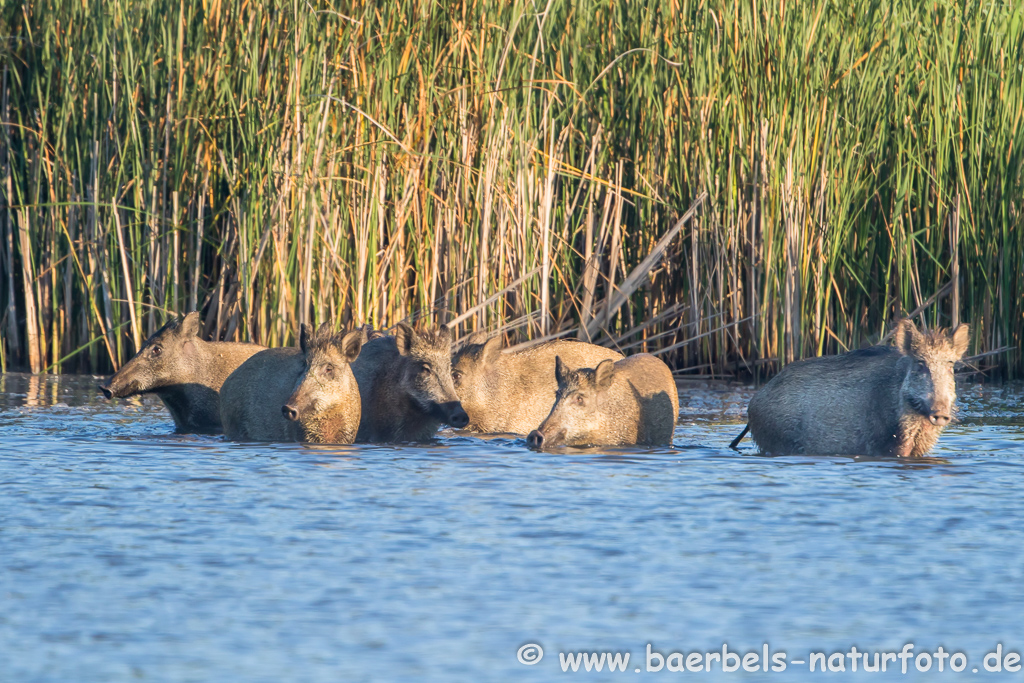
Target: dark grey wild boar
{"type": "Point", "coordinates": [881, 401]}
{"type": "Point", "coordinates": [184, 371]}
{"type": "Point", "coordinates": [405, 386]}
{"type": "Point", "coordinates": [296, 394]}
{"type": "Point", "coordinates": [513, 392]}
{"type": "Point", "coordinates": [631, 401]}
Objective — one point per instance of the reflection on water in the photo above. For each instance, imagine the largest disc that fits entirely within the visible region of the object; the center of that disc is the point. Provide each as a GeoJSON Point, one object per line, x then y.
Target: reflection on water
{"type": "Point", "coordinates": [30, 390]}
{"type": "Point", "coordinates": [128, 552]}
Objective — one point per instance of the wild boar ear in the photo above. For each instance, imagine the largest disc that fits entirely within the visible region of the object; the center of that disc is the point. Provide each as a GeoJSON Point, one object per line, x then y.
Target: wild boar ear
{"type": "Point", "coordinates": [906, 333]}
{"type": "Point", "coordinates": [351, 345]}
{"type": "Point", "coordinates": [961, 337]}
{"type": "Point", "coordinates": [303, 337]}
{"type": "Point", "coordinates": [492, 350]}
{"type": "Point", "coordinates": [404, 337]}
{"type": "Point", "coordinates": [604, 374]}
{"type": "Point", "coordinates": [446, 332]}
{"type": "Point", "coordinates": [560, 372]}
{"type": "Point", "coordinates": [476, 338]}
{"type": "Point", "coordinates": [189, 327]}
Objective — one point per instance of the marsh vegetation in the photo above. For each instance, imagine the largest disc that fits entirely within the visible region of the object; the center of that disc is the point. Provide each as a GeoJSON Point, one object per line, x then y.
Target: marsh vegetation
{"type": "Point", "coordinates": [514, 166]}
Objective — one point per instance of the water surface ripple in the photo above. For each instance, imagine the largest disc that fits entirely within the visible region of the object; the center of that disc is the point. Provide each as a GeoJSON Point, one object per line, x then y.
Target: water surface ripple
{"type": "Point", "coordinates": [131, 553]}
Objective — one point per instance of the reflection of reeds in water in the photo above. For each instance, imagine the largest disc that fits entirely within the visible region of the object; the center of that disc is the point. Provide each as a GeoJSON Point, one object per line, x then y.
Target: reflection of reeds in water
{"type": "Point", "coordinates": [33, 391]}
{"type": "Point", "coordinates": [289, 162]}
{"type": "Point", "coordinates": [34, 395]}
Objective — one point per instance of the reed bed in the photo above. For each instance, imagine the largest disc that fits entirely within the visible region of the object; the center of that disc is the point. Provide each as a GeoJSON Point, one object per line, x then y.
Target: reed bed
{"type": "Point", "coordinates": [513, 166]}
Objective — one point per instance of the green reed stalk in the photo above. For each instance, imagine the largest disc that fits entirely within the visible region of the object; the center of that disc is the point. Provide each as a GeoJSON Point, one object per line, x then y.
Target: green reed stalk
{"type": "Point", "coordinates": [283, 162]}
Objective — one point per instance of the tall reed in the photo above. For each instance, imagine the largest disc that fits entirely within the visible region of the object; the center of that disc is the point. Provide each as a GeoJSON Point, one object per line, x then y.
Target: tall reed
{"type": "Point", "coordinates": [273, 163]}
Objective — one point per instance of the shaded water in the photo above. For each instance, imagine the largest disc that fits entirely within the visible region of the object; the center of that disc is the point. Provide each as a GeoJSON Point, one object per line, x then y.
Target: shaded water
{"type": "Point", "coordinates": [131, 553]}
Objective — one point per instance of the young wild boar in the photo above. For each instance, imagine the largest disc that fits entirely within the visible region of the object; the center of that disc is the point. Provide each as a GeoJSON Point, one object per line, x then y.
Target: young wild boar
{"type": "Point", "coordinates": [513, 392]}
{"type": "Point", "coordinates": [405, 386]}
{"type": "Point", "coordinates": [880, 401]}
{"type": "Point", "coordinates": [296, 394]}
{"type": "Point", "coordinates": [631, 401]}
{"type": "Point", "coordinates": [325, 405]}
{"type": "Point", "coordinates": [184, 371]}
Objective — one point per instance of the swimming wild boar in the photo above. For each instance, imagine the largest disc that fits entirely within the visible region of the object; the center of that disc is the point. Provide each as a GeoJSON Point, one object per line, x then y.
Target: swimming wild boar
{"type": "Point", "coordinates": [881, 401]}
{"type": "Point", "coordinates": [296, 394]}
{"type": "Point", "coordinates": [184, 371]}
{"type": "Point", "coordinates": [513, 392]}
{"type": "Point", "coordinates": [631, 401]}
{"type": "Point", "coordinates": [325, 405]}
{"type": "Point", "coordinates": [405, 386]}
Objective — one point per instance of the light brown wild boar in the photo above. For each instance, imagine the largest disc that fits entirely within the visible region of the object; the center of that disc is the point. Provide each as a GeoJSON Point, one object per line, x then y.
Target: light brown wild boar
{"type": "Point", "coordinates": [513, 392]}
{"type": "Point", "coordinates": [405, 386]}
{"type": "Point", "coordinates": [325, 405]}
{"type": "Point", "coordinates": [184, 371]}
{"type": "Point", "coordinates": [631, 401]}
{"type": "Point", "coordinates": [881, 401]}
{"type": "Point", "coordinates": [296, 394]}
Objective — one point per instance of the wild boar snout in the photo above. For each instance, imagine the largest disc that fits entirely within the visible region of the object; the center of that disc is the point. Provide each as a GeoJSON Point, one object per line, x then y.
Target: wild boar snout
{"type": "Point", "coordinates": [538, 439]}
{"type": "Point", "coordinates": [457, 417]}
{"type": "Point", "coordinates": [940, 415]}
{"type": "Point", "coordinates": [290, 412]}
{"type": "Point", "coordinates": [113, 388]}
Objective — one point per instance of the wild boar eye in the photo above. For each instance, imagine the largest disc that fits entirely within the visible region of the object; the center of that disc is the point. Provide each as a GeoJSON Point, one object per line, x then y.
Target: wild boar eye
{"type": "Point", "coordinates": [579, 399]}
{"type": "Point", "coordinates": [456, 376]}
{"type": "Point", "coordinates": [329, 370]}
{"type": "Point", "coordinates": [156, 351]}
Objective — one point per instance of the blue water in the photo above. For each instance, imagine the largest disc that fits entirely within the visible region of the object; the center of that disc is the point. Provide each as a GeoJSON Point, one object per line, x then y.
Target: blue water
{"type": "Point", "coordinates": [130, 553]}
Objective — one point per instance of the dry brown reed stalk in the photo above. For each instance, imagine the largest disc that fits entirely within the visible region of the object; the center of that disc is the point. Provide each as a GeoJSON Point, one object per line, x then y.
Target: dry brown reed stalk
{"type": "Point", "coordinates": [279, 162]}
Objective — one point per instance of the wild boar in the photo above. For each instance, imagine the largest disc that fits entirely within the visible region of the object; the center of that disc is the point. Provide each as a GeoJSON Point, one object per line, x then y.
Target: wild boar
{"type": "Point", "coordinates": [513, 392]}
{"type": "Point", "coordinates": [880, 401]}
{"type": "Point", "coordinates": [296, 394]}
{"type": "Point", "coordinates": [184, 371]}
{"type": "Point", "coordinates": [618, 403]}
{"type": "Point", "coordinates": [405, 386]}
{"type": "Point", "coordinates": [325, 405]}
